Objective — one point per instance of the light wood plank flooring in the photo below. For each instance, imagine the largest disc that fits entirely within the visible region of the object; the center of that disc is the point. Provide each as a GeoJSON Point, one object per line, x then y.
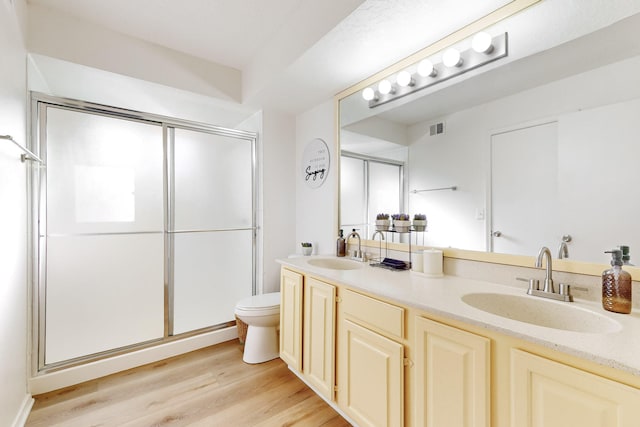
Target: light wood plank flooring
{"type": "Point", "coordinates": [208, 387]}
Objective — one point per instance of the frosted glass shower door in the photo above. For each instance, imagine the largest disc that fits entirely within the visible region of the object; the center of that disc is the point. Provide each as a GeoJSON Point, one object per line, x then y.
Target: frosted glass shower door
{"type": "Point", "coordinates": [103, 234]}
{"type": "Point", "coordinates": [353, 191]}
{"type": "Point", "coordinates": [368, 187]}
{"type": "Point", "coordinates": [385, 189]}
{"type": "Point", "coordinates": [212, 228]}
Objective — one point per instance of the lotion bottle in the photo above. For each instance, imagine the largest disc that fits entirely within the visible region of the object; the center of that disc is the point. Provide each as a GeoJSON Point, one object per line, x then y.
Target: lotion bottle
{"type": "Point", "coordinates": [341, 245]}
{"type": "Point", "coordinates": [616, 285]}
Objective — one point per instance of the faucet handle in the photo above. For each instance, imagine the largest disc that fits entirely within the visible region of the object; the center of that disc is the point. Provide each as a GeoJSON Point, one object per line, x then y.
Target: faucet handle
{"type": "Point", "coordinates": [565, 292]}
{"type": "Point", "coordinates": [534, 284]}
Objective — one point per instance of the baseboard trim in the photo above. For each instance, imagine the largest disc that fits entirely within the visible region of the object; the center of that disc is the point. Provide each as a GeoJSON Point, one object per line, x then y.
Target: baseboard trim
{"type": "Point", "coordinates": [78, 374]}
{"type": "Point", "coordinates": [25, 410]}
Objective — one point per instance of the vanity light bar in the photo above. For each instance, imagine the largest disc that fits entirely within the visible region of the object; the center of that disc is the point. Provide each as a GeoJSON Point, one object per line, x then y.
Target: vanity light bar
{"type": "Point", "coordinates": [485, 49]}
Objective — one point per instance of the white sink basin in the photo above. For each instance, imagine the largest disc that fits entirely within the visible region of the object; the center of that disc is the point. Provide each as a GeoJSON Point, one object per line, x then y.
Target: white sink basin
{"type": "Point", "coordinates": [542, 312]}
{"type": "Point", "coordinates": [335, 263]}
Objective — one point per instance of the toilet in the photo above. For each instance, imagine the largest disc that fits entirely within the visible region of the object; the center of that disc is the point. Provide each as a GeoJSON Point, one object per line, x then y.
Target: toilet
{"type": "Point", "coordinates": [262, 315]}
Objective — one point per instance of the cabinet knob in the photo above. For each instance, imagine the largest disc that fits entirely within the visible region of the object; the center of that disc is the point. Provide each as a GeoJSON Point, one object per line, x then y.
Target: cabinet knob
{"type": "Point", "coordinates": [496, 233]}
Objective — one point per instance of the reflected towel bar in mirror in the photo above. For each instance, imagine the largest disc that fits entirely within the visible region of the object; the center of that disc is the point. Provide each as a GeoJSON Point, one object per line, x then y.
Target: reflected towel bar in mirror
{"type": "Point", "coordinates": [452, 188]}
{"type": "Point", "coordinates": [23, 157]}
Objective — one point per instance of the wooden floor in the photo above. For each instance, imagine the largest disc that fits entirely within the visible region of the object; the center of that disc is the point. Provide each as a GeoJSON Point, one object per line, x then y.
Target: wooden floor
{"type": "Point", "coordinates": [208, 387]}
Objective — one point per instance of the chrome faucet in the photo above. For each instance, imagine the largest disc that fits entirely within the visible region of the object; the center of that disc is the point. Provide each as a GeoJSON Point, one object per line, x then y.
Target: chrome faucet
{"type": "Point", "coordinates": [381, 239]}
{"type": "Point", "coordinates": [376, 233]}
{"type": "Point", "coordinates": [547, 291]}
{"type": "Point", "coordinates": [548, 281]}
{"type": "Point", "coordinates": [358, 254]}
{"type": "Point", "coordinates": [563, 250]}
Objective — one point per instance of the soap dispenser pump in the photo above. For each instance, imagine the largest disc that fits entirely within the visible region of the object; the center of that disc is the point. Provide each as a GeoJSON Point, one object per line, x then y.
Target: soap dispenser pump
{"type": "Point", "coordinates": [616, 285]}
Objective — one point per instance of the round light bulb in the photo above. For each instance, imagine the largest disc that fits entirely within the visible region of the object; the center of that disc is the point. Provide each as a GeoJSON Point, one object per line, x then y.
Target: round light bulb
{"type": "Point", "coordinates": [368, 94]}
{"type": "Point", "coordinates": [404, 79]}
{"type": "Point", "coordinates": [426, 69]}
{"type": "Point", "coordinates": [451, 58]}
{"type": "Point", "coordinates": [384, 87]}
{"type": "Point", "coordinates": [481, 43]}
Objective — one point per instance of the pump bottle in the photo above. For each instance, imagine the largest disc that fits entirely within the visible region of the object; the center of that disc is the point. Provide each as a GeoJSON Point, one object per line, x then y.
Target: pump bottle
{"type": "Point", "coordinates": [341, 245]}
{"type": "Point", "coordinates": [616, 285]}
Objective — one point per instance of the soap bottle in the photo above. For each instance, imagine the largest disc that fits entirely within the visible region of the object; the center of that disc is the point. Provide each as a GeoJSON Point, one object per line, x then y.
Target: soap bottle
{"type": "Point", "coordinates": [341, 245]}
{"type": "Point", "coordinates": [616, 285]}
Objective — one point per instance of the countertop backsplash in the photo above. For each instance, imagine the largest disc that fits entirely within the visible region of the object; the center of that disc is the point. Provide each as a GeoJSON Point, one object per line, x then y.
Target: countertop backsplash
{"type": "Point", "coordinates": [584, 287]}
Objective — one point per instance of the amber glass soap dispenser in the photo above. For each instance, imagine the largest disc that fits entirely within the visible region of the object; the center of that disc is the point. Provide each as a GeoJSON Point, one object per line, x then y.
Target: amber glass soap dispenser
{"type": "Point", "coordinates": [341, 245]}
{"type": "Point", "coordinates": [616, 285]}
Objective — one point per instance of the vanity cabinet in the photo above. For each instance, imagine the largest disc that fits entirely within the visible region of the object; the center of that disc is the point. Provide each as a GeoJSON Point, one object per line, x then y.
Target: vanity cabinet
{"type": "Point", "coordinates": [370, 360]}
{"type": "Point", "coordinates": [383, 364]}
{"type": "Point", "coordinates": [307, 329]}
{"type": "Point", "coordinates": [545, 393]}
{"type": "Point", "coordinates": [291, 293]}
{"type": "Point", "coordinates": [452, 382]}
{"type": "Point", "coordinates": [318, 355]}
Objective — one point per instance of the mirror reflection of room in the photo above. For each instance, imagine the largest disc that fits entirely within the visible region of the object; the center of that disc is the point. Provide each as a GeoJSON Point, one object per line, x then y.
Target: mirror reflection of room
{"type": "Point", "coordinates": [526, 157]}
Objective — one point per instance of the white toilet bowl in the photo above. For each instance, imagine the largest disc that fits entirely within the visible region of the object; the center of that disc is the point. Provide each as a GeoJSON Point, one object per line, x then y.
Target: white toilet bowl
{"type": "Point", "coordinates": [262, 315]}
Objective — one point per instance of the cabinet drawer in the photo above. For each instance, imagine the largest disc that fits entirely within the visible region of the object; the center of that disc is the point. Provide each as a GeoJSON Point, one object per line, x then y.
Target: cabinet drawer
{"type": "Point", "coordinates": [373, 313]}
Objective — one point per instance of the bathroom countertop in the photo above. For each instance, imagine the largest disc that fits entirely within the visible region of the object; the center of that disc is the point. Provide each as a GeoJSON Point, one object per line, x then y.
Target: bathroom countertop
{"type": "Point", "coordinates": [443, 296]}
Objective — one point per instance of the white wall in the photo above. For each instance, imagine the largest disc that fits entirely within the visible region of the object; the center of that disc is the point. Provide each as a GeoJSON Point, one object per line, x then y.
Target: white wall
{"type": "Point", "coordinates": [278, 141]}
{"type": "Point", "coordinates": [14, 398]}
{"type": "Point", "coordinates": [276, 205]}
{"type": "Point", "coordinates": [316, 209]}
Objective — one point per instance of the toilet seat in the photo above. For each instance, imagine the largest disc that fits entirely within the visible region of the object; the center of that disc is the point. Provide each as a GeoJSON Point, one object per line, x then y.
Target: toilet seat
{"type": "Point", "coordinates": [260, 302]}
{"type": "Point", "coordinates": [259, 305]}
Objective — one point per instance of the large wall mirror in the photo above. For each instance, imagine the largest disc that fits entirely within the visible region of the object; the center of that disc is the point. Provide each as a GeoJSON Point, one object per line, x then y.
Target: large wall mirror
{"type": "Point", "coordinates": [542, 149]}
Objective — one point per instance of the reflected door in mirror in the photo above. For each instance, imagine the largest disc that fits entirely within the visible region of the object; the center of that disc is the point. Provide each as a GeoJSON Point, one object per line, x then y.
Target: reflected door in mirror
{"type": "Point", "coordinates": [524, 175]}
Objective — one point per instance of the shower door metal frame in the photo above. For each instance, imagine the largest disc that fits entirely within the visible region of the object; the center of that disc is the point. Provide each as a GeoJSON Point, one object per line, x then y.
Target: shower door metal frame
{"type": "Point", "coordinates": [38, 208]}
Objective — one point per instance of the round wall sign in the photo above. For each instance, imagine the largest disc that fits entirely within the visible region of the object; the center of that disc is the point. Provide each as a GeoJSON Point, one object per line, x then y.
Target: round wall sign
{"type": "Point", "coordinates": [315, 163]}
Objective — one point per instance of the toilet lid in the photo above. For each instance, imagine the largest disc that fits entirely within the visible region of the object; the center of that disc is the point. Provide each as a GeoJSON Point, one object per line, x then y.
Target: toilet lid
{"type": "Point", "coordinates": [260, 302]}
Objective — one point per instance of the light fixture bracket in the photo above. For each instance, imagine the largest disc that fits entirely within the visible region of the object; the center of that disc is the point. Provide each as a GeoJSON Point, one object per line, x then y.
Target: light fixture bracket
{"type": "Point", "coordinates": [470, 60]}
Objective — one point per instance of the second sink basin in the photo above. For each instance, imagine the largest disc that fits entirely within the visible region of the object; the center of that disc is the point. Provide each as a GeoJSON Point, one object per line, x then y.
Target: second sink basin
{"type": "Point", "coordinates": [540, 312]}
{"type": "Point", "coordinates": [335, 263]}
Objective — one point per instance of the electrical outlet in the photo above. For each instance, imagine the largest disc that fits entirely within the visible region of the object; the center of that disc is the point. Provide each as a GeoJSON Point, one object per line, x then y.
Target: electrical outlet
{"type": "Point", "coordinates": [480, 214]}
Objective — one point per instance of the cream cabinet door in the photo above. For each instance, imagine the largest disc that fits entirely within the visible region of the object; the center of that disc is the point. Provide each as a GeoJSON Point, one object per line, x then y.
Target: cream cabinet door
{"type": "Point", "coordinates": [319, 336]}
{"type": "Point", "coordinates": [545, 393]}
{"type": "Point", "coordinates": [452, 376]}
{"type": "Point", "coordinates": [371, 377]}
{"type": "Point", "coordinates": [291, 318]}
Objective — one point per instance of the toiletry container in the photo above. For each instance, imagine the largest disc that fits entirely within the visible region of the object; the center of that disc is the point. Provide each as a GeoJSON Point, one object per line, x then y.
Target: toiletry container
{"type": "Point", "coordinates": [432, 262]}
{"type": "Point", "coordinates": [341, 245]}
{"type": "Point", "coordinates": [616, 285]}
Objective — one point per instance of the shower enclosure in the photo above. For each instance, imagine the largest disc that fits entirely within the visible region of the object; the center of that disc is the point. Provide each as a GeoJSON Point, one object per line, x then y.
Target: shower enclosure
{"type": "Point", "coordinates": [369, 186]}
{"type": "Point", "coordinates": [144, 229]}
